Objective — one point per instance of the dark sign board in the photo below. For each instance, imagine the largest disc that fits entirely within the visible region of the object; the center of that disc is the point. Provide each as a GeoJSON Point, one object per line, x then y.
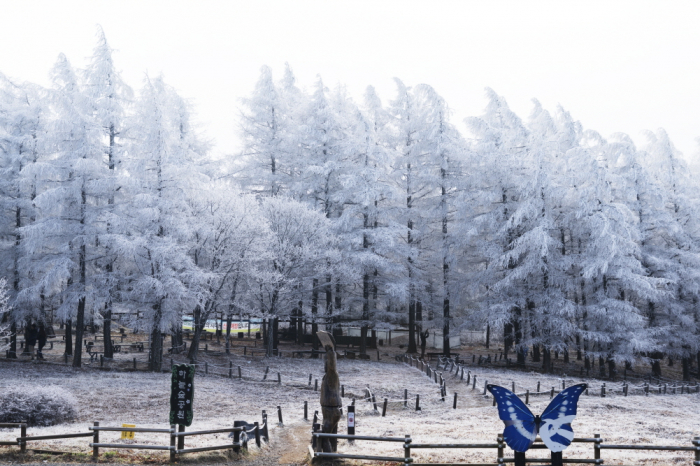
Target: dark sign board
{"type": "Point", "coordinates": [182, 394]}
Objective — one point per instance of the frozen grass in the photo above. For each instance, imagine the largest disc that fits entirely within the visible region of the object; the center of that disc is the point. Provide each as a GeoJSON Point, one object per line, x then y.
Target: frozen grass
{"type": "Point", "coordinates": [113, 398]}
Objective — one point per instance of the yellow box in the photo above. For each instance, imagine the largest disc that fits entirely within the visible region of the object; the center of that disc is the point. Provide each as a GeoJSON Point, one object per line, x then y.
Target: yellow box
{"type": "Point", "coordinates": [127, 434]}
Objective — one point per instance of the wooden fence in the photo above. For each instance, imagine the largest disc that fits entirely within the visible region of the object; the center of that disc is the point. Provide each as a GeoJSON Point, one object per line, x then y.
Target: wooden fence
{"type": "Point", "coordinates": [241, 432]}
{"type": "Point", "coordinates": [499, 446]}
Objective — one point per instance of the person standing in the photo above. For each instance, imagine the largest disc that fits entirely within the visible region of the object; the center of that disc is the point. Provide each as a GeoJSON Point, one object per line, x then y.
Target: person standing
{"type": "Point", "coordinates": [41, 341]}
{"type": "Point", "coordinates": [30, 339]}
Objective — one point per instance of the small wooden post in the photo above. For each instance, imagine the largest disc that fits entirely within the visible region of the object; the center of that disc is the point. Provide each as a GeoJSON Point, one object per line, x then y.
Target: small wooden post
{"type": "Point", "coordinates": [405, 397]}
{"type": "Point", "coordinates": [527, 397]}
{"type": "Point", "coordinates": [265, 426]}
{"type": "Point", "coordinates": [240, 373]}
{"type": "Point", "coordinates": [134, 363]}
{"type": "Point", "coordinates": [499, 440]}
{"type": "Point", "coordinates": [316, 385]}
{"type": "Point", "coordinates": [454, 403]}
{"type": "Point", "coordinates": [596, 447]}
{"type": "Point", "coordinates": [624, 389]}
{"type": "Point", "coordinates": [95, 440]}
{"type": "Point", "coordinates": [279, 379]}
{"type": "Point", "coordinates": [512, 385]}
{"type": "Point", "coordinates": [237, 436]}
{"type": "Point", "coordinates": [386, 402]}
{"type": "Point", "coordinates": [279, 415]}
{"type": "Point", "coordinates": [315, 421]}
{"type": "Point", "coordinates": [417, 402]}
{"type": "Point", "coordinates": [462, 376]}
{"type": "Point", "coordinates": [551, 395]}
{"type": "Point", "coordinates": [474, 382]}
{"type": "Point", "coordinates": [310, 379]}
{"type": "Point", "coordinates": [342, 391]}
{"type": "Point", "coordinates": [602, 391]}
{"type": "Point", "coordinates": [538, 386]}
{"type": "Point", "coordinates": [267, 369]}
{"type": "Point", "coordinates": [206, 368]}
{"type": "Point", "coordinates": [306, 410]}
{"type": "Point", "coordinates": [374, 402]}
{"type": "Point", "coordinates": [407, 450]}
{"type": "Point", "coordinates": [172, 443]}
{"type": "Point", "coordinates": [181, 439]}
{"type": "Point", "coordinates": [351, 420]}
{"type": "Point", "coordinates": [469, 374]}
{"type": "Point", "coordinates": [23, 434]}
{"type": "Point", "coordinates": [486, 382]}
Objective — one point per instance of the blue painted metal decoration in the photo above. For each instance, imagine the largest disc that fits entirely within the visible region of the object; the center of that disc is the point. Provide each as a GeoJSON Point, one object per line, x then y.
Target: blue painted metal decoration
{"type": "Point", "coordinates": [522, 427]}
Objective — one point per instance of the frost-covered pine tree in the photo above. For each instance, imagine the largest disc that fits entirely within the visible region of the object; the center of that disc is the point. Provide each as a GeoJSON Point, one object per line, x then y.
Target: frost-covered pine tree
{"type": "Point", "coordinates": [22, 117]}
{"type": "Point", "coordinates": [499, 154]}
{"type": "Point", "coordinates": [229, 239]}
{"type": "Point", "coordinates": [155, 234]}
{"type": "Point", "coordinates": [108, 97]}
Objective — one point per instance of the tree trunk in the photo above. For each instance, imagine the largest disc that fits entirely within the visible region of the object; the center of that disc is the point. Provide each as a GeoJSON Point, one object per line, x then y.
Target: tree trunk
{"type": "Point", "coordinates": [546, 360]}
{"type": "Point", "coordinates": [13, 340]}
{"type": "Point", "coordinates": [601, 365]}
{"type": "Point", "coordinates": [79, 328]}
{"type": "Point", "coordinates": [535, 353]}
{"type": "Point", "coordinates": [199, 319]}
{"type": "Point", "coordinates": [685, 364]}
{"type": "Point", "coordinates": [314, 314]}
{"type": "Point", "coordinates": [412, 324]}
{"type": "Point", "coordinates": [228, 333]}
{"type": "Point", "coordinates": [488, 335]}
{"type": "Point", "coordinates": [656, 364]}
{"type": "Point", "coordinates": [365, 313]}
{"type": "Point", "coordinates": [69, 337]}
{"type": "Point", "coordinates": [107, 331]}
{"type": "Point", "coordinates": [156, 349]}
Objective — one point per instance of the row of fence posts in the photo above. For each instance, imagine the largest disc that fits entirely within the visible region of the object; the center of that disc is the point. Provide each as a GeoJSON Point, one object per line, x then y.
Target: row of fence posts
{"type": "Point", "coordinates": [240, 431]}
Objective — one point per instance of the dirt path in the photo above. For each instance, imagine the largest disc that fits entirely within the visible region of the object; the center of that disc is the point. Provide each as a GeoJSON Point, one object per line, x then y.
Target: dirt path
{"type": "Point", "coordinates": [288, 446]}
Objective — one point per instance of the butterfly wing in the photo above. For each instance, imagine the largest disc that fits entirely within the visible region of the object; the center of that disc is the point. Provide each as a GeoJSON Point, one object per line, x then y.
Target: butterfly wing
{"type": "Point", "coordinates": [520, 431]}
{"type": "Point", "coordinates": [555, 426]}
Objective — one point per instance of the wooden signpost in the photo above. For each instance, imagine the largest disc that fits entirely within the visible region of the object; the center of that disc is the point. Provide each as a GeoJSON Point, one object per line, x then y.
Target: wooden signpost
{"type": "Point", "coordinates": [182, 394]}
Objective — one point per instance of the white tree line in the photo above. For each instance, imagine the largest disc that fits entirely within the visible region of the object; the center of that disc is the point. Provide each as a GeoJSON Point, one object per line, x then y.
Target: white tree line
{"type": "Point", "coordinates": [381, 215]}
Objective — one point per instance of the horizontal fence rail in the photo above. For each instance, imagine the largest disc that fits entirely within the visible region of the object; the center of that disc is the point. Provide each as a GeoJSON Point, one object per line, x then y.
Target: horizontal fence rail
{"type": "Point", "coordinates": [499, 445]}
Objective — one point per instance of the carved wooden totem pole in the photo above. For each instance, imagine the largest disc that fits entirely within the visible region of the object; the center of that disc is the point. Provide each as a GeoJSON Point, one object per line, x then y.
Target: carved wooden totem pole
{"type": "Point", "coordinates": [331, 402]}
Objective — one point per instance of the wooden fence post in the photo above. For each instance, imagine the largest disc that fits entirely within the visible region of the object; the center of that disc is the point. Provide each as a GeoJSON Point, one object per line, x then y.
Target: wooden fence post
{"type": "Point", "coordinates": [486, 382]}
{"type": "Point", "coordinates": [499, 440]}
{"type": "Point", "coordinates": [95, 440]}
{"type": "Point", "coordinates": [172, 443]}
{"type": "Point", "coordinates": [527, 397]}
{"type": "Point", "coordinates": [240, 373]}
{"type": "Point", "coordinates": [342, 391]}
{"type": "Point", "coordinates": [596, 447]}
{"type": "Point", "coordinates": [417, 402]}
{"type": "Point", "coordinates": [374, 402]}
{"type": "Point", "coordinates": [386, 402]}
{"type": "Point", "coordinates": [279, 415]}
{"type": "Point", "coordinates": [267, 369]}
{"type": "Point", "coordinates": [602, 391]}
{"type": "Point", "coordinates": [315, 385]}
{"type": "Point", "coordinates": [279, 379]}
{"type": "Point", "coordinates": [306, 410]}
{"type": "Point", "coordinates": [265, 427]}
{"type": "Point", "coordinates": [405, 397]}
{"type": "Point", "coordinates": [23, 434]}
{"type": "Point", "coordinates": [181, 439]}
{"type": "Point", "coordinates": [454, 403]}
{"type": "Point", "coordinates": [696, 442]}
{"type": "Point", "coordinates": [474, 382]}
{"type": "Point", "coordinates": [407, 450]}
{"type": "Point", "coordinates": [237, 435]}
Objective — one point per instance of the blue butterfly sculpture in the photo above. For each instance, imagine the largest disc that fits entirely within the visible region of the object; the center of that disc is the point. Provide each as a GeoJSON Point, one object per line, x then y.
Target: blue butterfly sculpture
{"type": "Point", "coordinates": [522, 427]}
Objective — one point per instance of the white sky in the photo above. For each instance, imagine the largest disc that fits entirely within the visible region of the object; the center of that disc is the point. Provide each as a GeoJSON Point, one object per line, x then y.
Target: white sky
{"type": "Point", "coordinates": [615, 65]}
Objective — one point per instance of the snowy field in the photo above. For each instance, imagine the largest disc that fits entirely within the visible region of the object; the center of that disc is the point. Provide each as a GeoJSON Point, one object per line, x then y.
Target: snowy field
{"type": "Point", "coordinates": [140, 398]}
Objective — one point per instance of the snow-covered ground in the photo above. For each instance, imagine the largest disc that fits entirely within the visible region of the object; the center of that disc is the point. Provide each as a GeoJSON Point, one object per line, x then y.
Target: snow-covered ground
{"type": "Point", "coordinates": [140, 398]}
